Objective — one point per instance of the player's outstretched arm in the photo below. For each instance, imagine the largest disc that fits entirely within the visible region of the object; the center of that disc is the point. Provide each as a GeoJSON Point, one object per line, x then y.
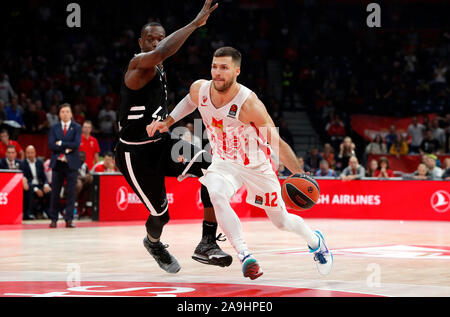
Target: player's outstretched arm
{"type": "Point", "coordinates": [171, 44]}
{"type": "Point", "coordinates": [254, 111]}
{"type": "Point", "coordinates": [184, 108]}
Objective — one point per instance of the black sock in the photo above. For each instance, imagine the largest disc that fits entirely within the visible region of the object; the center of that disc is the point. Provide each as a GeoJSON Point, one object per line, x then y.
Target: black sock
{"type": "Point", "coordinates": [209, 229]}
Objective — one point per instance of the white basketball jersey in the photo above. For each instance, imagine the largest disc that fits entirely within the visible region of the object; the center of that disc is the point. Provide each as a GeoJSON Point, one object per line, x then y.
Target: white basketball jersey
{"type": "Point", "coordinates": [230, 139]}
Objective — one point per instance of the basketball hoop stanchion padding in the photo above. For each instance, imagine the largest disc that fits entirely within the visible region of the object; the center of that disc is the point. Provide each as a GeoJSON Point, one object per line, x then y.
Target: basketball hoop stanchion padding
{"type": "Point", "coordinates": [11, 197]}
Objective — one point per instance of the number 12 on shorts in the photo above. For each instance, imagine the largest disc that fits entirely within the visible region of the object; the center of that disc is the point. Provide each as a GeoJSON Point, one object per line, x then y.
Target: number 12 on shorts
{"type": "Point", "coordinates": [271, 199]}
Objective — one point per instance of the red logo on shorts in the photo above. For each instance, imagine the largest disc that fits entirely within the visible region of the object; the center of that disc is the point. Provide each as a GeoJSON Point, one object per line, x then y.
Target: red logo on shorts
{"type": "Point", "coordinates": [122, 198]}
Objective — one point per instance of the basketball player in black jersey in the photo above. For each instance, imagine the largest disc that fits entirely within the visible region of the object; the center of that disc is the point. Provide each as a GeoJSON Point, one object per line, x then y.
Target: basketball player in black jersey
{"type": "Point", "coordinates": [145, 161]}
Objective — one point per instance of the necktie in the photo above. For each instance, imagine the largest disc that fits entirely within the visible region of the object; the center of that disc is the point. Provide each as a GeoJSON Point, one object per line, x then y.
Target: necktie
{"type": "Point", "coordinates": [61, 156]}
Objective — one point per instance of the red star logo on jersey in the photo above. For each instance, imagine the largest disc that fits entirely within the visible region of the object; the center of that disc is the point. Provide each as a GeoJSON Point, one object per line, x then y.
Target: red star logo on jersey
{"type": "Point", "coordinates": [205, 99]}
{"type": "Point", "coordinates": [218, 124]}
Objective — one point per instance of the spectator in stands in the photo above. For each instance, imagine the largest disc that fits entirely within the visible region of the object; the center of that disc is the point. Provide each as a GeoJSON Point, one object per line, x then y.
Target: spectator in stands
{"type": "Point", "coordinates": [346, 150]}
{"type": "Point", "coordinates": [325, 170]}
{"type": "Point", "coordinates": [305, 167]}
{"type": "Point", "coordinates": [107, 118]}
{"type": "Point", "coordinates": [36, 198]}
{"type": "Point", "coordinates": [6, 91]}
{"type": "Point", "coordinates": [384, 171]}
{"type": "Point", "coordinates": [391, 137]}
{"type": "Point", "coordinates": [89, 145]}
{"type": "Point", "coordinates": [10, 162]}
{"type": "Point", "coordinates": [421, 173]}
{"type": "Point", "coordinates": [429, 144]}
{"type": "Point", "coordinates": [438, 134]}
{"type": "Point", "coordinates": [189, 136]}
{"type": "Point", "coordinates": [434, 171]}
{"type": "Point", "coordinates": [42, 123]}
{"type": "Point", "coordinates": [108, 164]}
{"type": "Point", "coordinates": [14, 112]}
{"type": "Point", "coordinates": [328, 155]}
{"type": "Point", "coordinates": [52, 115]}
{"type": "Point", "coordinates": [335, 130]}
{"type": "Point", "coordinates": [439, 77]}
{"type": "Point", "coordinates": [5, 142]}
{"type": "Point", "coordinates": [313, 159]}
{"type": "Point", "coordinates": [353, 171]}
{"type": "Point", "coordinates": [84, 189]}
{"type": "Point", "coordinates": [78, 115]}
{"type": "Point", "coordinates": [372, 168]}
{"type": "Point", "coordinates": [377, 146]}
{"type": "Point", "coordinates": [446, 174]}
{"type": "Point", "coordinates": [399, 147]}
{"type": "Point", "coordinates": [30, 119]}
{"type": "Point", "coordinates": [416, 132]}
{"type": "Point", "coordinates": [2, 114]}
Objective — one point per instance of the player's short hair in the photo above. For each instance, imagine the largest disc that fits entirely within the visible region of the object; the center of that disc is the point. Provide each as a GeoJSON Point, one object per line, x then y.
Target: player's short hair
{"type": "Point", "coordinates": [226, 51]}
{"type": "Point", "coordinates": [11, 147]}
{"type": "Point", "coordinates": [150, 24]}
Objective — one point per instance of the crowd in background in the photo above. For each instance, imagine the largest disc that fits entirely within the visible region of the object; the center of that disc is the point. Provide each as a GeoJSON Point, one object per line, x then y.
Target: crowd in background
{"type": "Point", "coordinates": [296, 54]}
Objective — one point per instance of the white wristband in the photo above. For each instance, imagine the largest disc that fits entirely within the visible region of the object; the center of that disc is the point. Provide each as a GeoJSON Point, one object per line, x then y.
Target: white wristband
{"type": "Point", "coordinates": [184, 108]}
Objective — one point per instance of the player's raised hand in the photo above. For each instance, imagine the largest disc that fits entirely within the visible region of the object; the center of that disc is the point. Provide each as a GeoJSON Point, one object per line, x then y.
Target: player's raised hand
{"type": "Point", "coordinates": [160, 126]}
{"type": "Point", "coordinates": [203, 15]}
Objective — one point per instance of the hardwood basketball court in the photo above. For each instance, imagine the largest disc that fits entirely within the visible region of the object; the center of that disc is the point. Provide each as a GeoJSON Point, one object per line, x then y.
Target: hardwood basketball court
{"type": "Point", "coordinates": [371, 258]}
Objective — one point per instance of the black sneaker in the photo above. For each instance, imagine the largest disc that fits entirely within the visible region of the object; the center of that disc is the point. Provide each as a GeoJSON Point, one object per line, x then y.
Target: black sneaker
{"type": "Point", "coordinates": [164, 259]}
{"type": "Point", "coordinates": [209, 252]}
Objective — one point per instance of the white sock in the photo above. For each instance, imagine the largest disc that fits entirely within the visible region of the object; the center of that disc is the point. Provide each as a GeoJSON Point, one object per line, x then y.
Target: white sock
{"type": "Point", "coordinates": [293, 223]}
{"type": "Point", "coordinates": [220, 193]}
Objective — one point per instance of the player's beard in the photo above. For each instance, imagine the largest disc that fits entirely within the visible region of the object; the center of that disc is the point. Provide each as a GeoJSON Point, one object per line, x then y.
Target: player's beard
{"type": "Point", "coordinates": [226, 85]}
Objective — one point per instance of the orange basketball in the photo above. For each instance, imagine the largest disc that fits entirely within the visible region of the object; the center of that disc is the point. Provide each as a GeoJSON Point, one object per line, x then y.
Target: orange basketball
{"type": "Point", "coordinates": [300, 192]}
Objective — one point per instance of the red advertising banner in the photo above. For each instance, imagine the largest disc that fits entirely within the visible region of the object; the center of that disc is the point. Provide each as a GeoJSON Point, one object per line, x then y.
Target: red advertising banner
{"type": "Point", "coordinates": [404, 163]}
{"type": "Point", "coordinates": [11, 198]}
{"type": "Point", "coordinates": [363, 199]}
{"type": "Point", "coordinates": [379, 199]}
{"type": "Point", "coordinates": [118, 202]}
{"type": "Point", "coordinates": [368, 126]}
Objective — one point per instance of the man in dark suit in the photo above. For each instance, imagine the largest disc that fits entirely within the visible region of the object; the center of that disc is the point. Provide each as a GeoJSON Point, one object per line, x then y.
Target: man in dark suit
{"type": "Point", "coordinates": [10, 162]}
{"type": "Point", "coordinates": [36, 198]}
{"type": "Point", "coordinates": [64, 140]}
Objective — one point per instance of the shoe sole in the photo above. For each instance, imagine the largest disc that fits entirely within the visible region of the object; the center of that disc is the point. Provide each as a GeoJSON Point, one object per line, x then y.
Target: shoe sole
{"type": "Point", "coordinates": [253, 271]}
{"type": "Point", "coordinates": [222, 261]}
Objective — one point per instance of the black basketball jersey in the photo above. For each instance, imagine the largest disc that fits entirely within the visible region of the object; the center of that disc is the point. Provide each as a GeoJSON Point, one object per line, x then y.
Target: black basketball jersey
{"type": "Point", "coordinates": [138, 108]}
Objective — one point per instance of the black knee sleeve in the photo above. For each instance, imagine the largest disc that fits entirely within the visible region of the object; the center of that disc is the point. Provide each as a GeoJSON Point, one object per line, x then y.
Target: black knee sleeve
{"type": "Point", "coordinates": [155, 224]}
{"type": "Point", "coordinates": [206, 200]}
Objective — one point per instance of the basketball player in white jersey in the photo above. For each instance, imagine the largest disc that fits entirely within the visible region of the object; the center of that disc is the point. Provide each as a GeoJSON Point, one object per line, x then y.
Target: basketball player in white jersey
{"type": "Point", "coordinates": [240, 131]}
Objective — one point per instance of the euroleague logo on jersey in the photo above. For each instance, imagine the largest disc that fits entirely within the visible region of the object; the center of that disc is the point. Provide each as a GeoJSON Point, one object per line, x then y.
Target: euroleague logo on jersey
{"type": "Point", "coordinates": [440, 201]}
{"type": "Point", "coordinates": [122, 198]}
{"type": "Point", "coordinates": [233, 111]}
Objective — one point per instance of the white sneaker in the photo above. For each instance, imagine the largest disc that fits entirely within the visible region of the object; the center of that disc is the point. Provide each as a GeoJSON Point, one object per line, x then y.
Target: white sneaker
{"type": "Point", "coordinates": [322, 256]}
{"type": "Point", "coordinates": [250, 267]}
